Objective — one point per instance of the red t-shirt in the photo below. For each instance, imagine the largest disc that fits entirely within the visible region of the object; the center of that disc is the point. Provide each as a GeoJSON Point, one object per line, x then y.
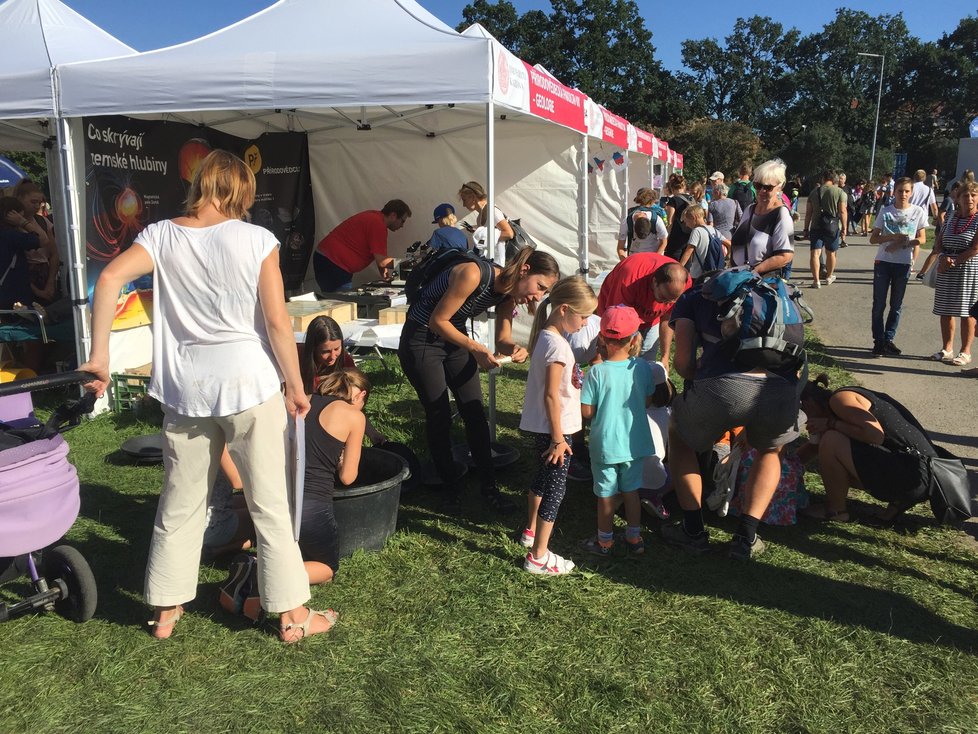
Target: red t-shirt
{"type": "Point", "coordinates": [354, 242]}
{"type": "Point", "coordinates": [630, 284]}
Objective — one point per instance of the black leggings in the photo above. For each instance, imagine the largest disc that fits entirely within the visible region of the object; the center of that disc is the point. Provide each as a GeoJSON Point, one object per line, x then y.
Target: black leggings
{"type": "Point", "coordinates": [319, 535]}
{"type": "Point", "coordinates": [433, 367]}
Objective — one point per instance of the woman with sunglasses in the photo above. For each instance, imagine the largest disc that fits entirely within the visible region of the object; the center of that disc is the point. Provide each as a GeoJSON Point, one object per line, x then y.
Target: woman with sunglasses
{"type": "Point", "coordinates": [764, 239]}
{"type": "Point", "coordinates": [475, 199]}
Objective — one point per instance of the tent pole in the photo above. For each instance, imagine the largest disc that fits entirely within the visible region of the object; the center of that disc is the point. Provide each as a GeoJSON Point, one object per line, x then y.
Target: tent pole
{"type": "Point", "coordinates": [582, 210]}
{"type": "Point", "coordinates": [493, 252]}
{"type": "Point", "coordinates": [626, 188]}
{"type": "Point", "coordinates": [68, 223]}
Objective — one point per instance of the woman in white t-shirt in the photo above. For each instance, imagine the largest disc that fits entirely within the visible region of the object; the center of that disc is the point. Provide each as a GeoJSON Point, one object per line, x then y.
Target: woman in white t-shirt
{"type": "Point", "coordinates": [899, 229]}
{"type": "Point", "coordinates": [222, 346]}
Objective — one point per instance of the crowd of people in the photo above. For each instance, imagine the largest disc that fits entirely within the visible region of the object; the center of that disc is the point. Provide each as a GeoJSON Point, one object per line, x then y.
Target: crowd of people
{"type": "Point", "coordinates": [653, 310]}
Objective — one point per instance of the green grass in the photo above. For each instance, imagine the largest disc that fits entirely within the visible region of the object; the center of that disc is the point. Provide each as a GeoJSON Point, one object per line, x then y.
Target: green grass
{"type": "Point", "coordinates": [838, 628]}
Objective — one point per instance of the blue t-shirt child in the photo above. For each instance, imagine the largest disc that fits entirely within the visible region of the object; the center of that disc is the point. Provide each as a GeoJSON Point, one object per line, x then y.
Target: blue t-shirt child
{"type": "Point", "coordinates": [619, 391]}
{"type": "Point", "coordinates": [449, 238]}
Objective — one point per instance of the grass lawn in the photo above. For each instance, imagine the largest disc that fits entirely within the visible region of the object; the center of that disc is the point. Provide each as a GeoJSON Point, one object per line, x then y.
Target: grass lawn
{"type": "Point", "coordinates": [837, 628]}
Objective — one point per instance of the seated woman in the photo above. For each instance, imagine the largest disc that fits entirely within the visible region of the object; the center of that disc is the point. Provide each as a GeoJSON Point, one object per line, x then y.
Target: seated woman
{"type": "Point", "coordinates": [866, 440]}
{"type": "Point", "coordinates": [334, 437]}
{"type": "Point", "coordinates": [323, 353]}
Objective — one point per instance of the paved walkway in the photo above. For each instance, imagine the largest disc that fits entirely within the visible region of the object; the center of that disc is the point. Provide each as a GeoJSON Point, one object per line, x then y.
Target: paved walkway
{"type": "Point", "coordinates": [945, 403]}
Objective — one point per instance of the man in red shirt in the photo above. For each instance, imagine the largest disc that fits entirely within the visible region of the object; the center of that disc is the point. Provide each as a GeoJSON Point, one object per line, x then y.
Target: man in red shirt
{"type": "Point", "coordinates": [650, 283]}
{"type": "Point", "coordinates": [355, 243]}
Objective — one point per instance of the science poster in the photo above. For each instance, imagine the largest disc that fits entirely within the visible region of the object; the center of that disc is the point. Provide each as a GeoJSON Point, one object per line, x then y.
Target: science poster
{"type": "Point", "coordinates": [139, 171]}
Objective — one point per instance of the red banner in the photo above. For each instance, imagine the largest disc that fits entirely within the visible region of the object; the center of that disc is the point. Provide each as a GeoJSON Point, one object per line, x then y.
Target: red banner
{"type": "Point", "coordinates": [645, 142]}
{"type": "Point", "coordinates": [661, 149]}
{"type": "Point", "coordinates": [614, 129]}
{"type": "Point", "coordinates": [553, 101]}
{"type": "Point", "coordinates": [679, 160]}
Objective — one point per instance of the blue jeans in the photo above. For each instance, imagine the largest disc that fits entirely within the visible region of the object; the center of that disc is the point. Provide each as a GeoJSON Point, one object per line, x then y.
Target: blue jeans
{"type": "Point", "coordinates": [892, 278]}
{"type": "Point", "coordinates": [650, 343]}
{"type": "Point", "coordinates": [330, 277]}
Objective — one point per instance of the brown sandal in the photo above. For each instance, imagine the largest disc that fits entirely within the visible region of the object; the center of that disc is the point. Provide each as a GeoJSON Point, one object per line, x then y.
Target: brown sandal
{"type": "Point", "coordinates": [329, 615]}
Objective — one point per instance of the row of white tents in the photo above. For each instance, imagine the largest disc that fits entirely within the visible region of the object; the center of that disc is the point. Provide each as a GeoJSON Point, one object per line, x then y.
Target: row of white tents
{"type": "Point", "coordinates": [395, 104]}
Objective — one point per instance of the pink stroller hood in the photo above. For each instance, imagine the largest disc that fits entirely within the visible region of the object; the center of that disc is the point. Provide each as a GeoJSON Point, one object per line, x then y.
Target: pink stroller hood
{"type": "Point", "coordinates": [39, 498]}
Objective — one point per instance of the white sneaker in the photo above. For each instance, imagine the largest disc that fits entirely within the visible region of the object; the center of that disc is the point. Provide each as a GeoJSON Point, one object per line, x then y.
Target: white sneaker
{"type": "Point", "coordinates": [816, 284]}
{"type": "Point", "coordinates": [526, 539]}
{"type": "Point", "coordinates": [830, 280]}
{"type": "Point", "coordinates": [552, 565]}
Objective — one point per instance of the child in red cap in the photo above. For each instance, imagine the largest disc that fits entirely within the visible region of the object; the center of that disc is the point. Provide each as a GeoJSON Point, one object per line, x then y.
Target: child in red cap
{"type": "Point", "coordinates": [615, 396]}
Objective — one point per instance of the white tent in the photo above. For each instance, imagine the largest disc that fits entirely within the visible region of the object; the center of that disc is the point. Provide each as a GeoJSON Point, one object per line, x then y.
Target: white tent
{"type": "Point", "coordinates": [401, 106]}
{"type": "Point", "coordinates": [37, 35]}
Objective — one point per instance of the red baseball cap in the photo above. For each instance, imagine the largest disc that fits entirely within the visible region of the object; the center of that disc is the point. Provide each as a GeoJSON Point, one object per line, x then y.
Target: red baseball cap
{"type": "Point", "coordinates": [619, 322]}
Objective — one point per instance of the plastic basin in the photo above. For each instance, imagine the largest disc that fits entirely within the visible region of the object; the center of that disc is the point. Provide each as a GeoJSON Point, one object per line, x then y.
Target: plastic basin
{"type": "Point", "coordinates": [366, 511]}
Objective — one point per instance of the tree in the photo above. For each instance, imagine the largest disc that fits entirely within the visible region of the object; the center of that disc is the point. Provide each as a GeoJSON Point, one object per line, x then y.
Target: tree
{"type": "Point", "coordinates": [714, 145]}
{"type": "Point", "coordinates": [33, 164]}
{"type": "Point", "coordinates": [748, 79]}
{"type": "Point", "coordinates": [602, 47]}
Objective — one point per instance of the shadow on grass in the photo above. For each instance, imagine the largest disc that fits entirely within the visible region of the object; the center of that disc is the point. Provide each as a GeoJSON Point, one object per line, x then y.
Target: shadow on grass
{"type": "Point", "coordinates": [800, 593]}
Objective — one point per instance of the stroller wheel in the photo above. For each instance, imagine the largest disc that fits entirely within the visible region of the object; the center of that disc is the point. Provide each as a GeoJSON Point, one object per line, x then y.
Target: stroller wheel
{"type": "Point", "coordinates": [65, 564]}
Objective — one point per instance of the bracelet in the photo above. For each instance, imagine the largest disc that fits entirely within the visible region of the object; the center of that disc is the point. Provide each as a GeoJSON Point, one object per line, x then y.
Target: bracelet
{"type": "Point", "coordinates": [555, 444]}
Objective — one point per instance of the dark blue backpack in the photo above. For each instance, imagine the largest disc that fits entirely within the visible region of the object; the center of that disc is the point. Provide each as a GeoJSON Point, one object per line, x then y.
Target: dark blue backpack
{"type": "Point", "coordinates": [762, 319]}
{"type": "Point", "coordinates": [437, 262]}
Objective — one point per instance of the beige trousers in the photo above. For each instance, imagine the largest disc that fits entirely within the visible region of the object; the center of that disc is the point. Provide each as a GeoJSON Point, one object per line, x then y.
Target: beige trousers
{"type": "Point", "coordinates": [257, 441]}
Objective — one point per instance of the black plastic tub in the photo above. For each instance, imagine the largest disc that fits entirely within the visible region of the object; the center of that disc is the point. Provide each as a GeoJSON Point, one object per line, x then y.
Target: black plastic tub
{"type": "Point", "coordinates": [366, 511]}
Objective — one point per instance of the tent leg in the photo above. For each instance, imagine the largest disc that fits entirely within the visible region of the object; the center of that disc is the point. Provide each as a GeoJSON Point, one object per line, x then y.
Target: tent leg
{"type": "Point", "coordinates": [493, 251]}
{"type": "Point", "coordinates": [582, 211]}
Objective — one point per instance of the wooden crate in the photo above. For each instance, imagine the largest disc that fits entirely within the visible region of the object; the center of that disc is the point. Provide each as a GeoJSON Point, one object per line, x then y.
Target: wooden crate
{"type": "Point", "coordinates": [303, 312]}
{"type": "Point", "coordinates": [392, 315]}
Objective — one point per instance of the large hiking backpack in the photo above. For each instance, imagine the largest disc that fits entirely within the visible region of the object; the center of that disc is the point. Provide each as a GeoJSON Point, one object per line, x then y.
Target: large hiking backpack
{"type": "Point", "coordinates": [437, 262]}
{"type": "Point", "coordinates": [762, 319]}
{"type": "Point", "coordinates": [742, 193]}
{"type": "Point", "coordinates": [715, 258]}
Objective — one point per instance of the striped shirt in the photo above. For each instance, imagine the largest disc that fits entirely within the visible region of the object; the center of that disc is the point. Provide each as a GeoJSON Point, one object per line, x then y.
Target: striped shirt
{"type": "Point", "coordinates": [432, 293]}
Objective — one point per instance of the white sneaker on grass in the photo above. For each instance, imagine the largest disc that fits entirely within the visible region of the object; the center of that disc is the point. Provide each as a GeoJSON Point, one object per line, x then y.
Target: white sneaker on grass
{"type": "Point", "coordinates": [550, 565]}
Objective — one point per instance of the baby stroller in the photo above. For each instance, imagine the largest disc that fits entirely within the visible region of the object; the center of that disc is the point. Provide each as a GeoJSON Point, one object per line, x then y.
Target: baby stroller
{"type": "Point", "coordinates": [39, 501]}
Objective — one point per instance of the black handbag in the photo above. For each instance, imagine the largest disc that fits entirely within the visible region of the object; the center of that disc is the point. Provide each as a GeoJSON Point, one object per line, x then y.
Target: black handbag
{"type": "Point", "coordinates": [950, 491]}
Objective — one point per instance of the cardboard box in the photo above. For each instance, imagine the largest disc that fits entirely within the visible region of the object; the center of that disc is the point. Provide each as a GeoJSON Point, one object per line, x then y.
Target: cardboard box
{"type": "Point", "coordinates": [303, 312]}
{"type": "Point", "coordinates": [392, 315]}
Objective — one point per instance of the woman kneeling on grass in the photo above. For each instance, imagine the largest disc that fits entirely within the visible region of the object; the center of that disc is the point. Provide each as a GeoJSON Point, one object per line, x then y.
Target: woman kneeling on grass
{"type": "Point", "coordinates": [334, 437]}
{"type": "Point", "coordinates": [222, 345]}
{"type": "Point", "coordinates": [866, 440]}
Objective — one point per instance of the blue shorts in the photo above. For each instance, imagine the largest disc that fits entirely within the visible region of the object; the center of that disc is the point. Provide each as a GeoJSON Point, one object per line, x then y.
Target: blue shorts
{"type": "Point", "coordinates": [612, 479]}
{"type": "Point", "coordinates": [819, 241]}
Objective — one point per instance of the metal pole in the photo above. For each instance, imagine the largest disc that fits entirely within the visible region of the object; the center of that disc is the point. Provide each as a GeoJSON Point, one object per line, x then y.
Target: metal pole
{"type": "Point", "coordinates": [879, 98]}
{"type": "Point", "coordinates": [582, 211]}
{"type": "Point", "coordinates": [492, 249]}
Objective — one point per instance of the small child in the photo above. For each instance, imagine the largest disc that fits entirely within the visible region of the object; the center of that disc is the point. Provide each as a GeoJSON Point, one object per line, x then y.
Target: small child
{"type": "Point", "coordinates": [551, 413]}
{"type": "Point", "coordinates": [447, 236]}
{"type": "Point", "coordinates": [615, 396]}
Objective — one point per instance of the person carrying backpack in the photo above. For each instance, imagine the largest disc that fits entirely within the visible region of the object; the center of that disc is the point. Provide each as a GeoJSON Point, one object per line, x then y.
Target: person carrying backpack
{"type": "Point", "coordinates": [723, 390]}
{"type": "Point", "coordinates": [705, 251]}
{"type": "Point", "coordinates": [437, 354]}
{"type": "Point", "coordinates": [763, 239]}
{"type": "Point", "coordinates": [635, 235]}
{"type": "Point", "coordinates": [680, 199]}
{"type": "Point", "coordinates": [742, 190]}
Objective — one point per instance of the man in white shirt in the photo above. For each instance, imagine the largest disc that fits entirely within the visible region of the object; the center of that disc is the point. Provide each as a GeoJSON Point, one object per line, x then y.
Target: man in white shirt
{"type": "Point", "coordinates": [922, 195]}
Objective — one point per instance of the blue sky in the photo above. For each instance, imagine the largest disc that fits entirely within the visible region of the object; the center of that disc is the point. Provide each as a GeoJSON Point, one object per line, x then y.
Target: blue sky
{"type": "Point", "coordinates": [145, 25]}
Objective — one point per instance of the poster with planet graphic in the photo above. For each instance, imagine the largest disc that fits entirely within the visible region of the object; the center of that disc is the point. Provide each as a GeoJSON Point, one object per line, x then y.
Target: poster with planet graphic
{"type": "Point", "coordinates": [139, 171]}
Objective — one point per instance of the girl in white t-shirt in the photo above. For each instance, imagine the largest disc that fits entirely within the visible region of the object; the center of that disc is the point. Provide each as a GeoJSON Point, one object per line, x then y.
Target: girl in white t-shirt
{"type": "Point", "coordinates": [551, 413]}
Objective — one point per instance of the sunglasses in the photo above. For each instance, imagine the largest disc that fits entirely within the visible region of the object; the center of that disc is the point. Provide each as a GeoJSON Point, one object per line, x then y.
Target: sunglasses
{"type": "Point", "coordinates": [765, 187]}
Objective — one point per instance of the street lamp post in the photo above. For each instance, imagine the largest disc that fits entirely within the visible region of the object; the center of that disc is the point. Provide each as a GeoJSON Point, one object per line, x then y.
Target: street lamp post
{"type": "Point", "coordinates": [879, 97]}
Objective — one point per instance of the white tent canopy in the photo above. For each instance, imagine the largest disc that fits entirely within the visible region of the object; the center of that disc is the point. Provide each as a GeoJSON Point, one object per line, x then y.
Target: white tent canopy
{"type": "Point", "coordinates": [37, 35]}
{"type": "Point", "coordinates": [296, 54]}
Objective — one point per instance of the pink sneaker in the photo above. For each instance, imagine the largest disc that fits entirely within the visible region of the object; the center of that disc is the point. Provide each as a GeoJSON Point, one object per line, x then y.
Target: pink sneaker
{"type": "Point", "coordinates": [526, 539]}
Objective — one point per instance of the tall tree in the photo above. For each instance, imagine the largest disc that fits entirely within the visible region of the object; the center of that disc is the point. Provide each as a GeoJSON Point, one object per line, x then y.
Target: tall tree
{"type": "Point", "coordinates": [748, 78]}
{"type": "Point", "coordinates": [602, 47]}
